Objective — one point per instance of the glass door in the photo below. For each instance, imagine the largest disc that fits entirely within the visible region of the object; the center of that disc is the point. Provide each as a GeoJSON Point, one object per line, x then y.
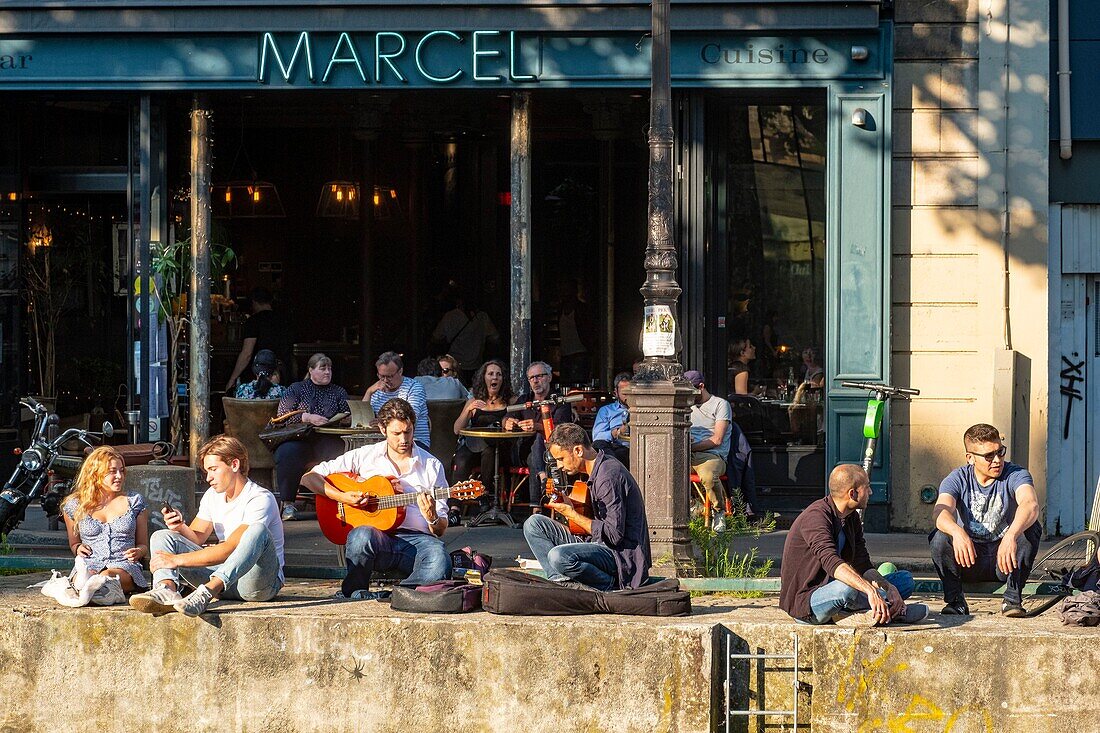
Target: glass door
{"type": "Point", "coordinates": [767, 161]}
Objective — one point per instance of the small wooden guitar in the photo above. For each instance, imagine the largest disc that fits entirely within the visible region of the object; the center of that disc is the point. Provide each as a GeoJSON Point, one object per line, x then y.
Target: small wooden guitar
{"type": "Point", "coordinates": [384, 508]}
{"type": "Point", "coordinates": [578, 497]}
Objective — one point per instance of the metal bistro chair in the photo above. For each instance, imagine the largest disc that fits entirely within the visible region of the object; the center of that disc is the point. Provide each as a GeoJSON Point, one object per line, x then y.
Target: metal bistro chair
{"type": "Point", "coordinates": [739, 464]}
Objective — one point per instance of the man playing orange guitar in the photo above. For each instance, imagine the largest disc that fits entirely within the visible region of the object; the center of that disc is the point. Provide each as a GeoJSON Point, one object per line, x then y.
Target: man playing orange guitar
{"type": "Point", "coordinates": [414, 549]}
{"type": "Point", "coordinates": [615, 554]}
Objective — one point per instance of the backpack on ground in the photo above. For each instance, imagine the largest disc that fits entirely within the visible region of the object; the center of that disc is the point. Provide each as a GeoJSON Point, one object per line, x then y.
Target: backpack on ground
{"type": "Point", "coordinates": [446, 596]}
{"type": "Point", "coordinates": [516, 593]}
{"type": "Point", "coordinates": [1086, 578]}
{"type": "Point", "coordinates": [1082, 609]}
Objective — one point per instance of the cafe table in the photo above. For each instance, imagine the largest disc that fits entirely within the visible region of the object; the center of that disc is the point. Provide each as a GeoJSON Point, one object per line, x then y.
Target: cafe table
{"type": "Point", "coordinates": [495, 437]}
{"type": "Point", "coordinates": [354, 437]}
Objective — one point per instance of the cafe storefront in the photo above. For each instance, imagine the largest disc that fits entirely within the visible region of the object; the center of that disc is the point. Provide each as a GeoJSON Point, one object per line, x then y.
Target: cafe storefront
{"type": "Point", "coordinates": [434, 120]}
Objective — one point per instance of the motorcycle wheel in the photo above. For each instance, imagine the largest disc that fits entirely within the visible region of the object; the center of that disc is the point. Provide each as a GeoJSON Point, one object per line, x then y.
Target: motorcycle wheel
{"type": "Point", "coordinates": [9, 519]}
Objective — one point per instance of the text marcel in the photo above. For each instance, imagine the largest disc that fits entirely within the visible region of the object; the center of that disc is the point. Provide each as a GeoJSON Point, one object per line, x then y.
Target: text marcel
{"type": "Point", "coordinates": [439, 56]}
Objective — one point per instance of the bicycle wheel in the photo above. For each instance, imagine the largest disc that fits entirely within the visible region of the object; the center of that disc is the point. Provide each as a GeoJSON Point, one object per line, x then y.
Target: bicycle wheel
{"type": "Point", "coordinates": [1048, 582]}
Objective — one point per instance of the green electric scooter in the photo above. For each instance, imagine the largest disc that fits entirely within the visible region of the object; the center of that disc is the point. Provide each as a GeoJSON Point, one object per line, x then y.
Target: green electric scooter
{"type": "Point", "coordinates": [876, 407]}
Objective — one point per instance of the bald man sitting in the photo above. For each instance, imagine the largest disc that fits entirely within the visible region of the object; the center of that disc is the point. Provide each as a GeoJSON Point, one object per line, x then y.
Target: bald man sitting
{"type": "Point", "coordinates": [827, 575]}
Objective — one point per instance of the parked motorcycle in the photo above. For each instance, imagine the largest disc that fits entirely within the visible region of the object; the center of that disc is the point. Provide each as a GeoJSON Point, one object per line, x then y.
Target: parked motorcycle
{"type": "Point", "coordinates": [33, 478]}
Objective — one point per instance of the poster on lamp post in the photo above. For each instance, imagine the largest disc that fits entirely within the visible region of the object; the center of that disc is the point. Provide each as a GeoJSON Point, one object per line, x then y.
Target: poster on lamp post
{"type": "Point", "coordinates": [659, 331]}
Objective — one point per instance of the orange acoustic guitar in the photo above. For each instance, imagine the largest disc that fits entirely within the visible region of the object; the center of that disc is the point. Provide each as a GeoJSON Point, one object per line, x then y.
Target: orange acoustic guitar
{"type": "Point", "coordinates": [384, 509]}
{"type": "Point", "coordinates": [578, 497]}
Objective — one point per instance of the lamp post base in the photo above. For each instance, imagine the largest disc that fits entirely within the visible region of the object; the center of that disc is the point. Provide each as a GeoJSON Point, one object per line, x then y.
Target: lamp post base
{"type": "Point", "coordinates": [660, 460]}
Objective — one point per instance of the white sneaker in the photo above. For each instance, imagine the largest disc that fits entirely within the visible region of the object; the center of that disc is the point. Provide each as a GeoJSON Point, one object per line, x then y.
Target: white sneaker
{"type": "Point", "coordinates": [195, 603]}
{"type": "Point", "coordinates": [158, 601]}
{"type": "Point", "coordinates": [110, 593]}
{"type": "Point", "coordinates": [719, 522]}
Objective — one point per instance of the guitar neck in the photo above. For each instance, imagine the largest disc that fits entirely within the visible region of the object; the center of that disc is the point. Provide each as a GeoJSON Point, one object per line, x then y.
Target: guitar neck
{"type": "Point", "coordinates": [396, 500]}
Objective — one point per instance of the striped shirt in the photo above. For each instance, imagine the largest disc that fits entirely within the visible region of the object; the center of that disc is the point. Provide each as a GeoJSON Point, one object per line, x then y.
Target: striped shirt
{"type": "Point", "coordinates": [412, 392]}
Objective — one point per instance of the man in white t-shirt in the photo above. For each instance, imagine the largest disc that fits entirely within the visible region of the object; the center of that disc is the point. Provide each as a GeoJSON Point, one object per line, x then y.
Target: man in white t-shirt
{"type": "Point", "coordinates": [710, 444]}
{"type": "Point", "coordinates": [414, 549]}
{"type": "Point", "coordinates": [247, 562]}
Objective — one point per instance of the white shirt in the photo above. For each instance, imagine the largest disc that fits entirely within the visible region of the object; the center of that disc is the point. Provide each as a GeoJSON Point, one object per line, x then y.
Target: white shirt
{"type": "Point", "coordinates": [254, 505]}
{"type": "Point", "coordinates": [704, 417]}
{"type": "Point", "coordinates": [425, 473]}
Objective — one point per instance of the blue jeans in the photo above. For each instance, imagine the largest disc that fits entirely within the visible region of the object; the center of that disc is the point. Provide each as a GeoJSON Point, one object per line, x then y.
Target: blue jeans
{"type": "Point", "coordinates": [837, 597]}
{"type": "Point", "coordinates": [985, 564]}
{"type": "Point", "coordinates": [563, 558]}
{"type": "Point", "coordinates": [250, 573]}
{"type": "Point", "coordinates": [418, 556]}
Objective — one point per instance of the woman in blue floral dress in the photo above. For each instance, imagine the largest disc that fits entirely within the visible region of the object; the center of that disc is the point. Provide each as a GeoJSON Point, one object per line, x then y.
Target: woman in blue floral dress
{"type": "Point", "coordinates": [108, 528]}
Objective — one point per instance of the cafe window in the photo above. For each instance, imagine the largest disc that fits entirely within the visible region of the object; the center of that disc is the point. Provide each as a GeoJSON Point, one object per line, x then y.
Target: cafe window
{"type": "Point", "coordinates": [768, 161]}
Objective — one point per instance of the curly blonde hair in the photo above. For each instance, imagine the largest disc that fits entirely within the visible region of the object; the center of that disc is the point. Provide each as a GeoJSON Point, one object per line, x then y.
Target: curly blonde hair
{"type": "Point", "coordinates": [88, 488]}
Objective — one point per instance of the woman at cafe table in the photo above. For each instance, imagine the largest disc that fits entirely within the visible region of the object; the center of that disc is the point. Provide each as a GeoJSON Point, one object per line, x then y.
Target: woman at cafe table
{"type": "Point", "coordinates": [492, 393]}
{"type": "Point", "coordinates": [741, 352]}
{"type": "Point", "coordinates": [321, 400]}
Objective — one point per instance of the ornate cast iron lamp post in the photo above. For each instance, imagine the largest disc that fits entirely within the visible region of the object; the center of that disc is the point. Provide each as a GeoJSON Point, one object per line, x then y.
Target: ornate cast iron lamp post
{"type": "Point", "coordinates": [660, 399]}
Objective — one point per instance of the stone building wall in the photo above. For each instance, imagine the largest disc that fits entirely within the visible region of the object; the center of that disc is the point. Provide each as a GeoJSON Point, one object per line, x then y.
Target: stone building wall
{"type": "Point", "coordinates": [948, 247]}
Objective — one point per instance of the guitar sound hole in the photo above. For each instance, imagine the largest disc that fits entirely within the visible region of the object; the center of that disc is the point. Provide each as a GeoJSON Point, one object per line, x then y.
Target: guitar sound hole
{"type": "Point", "coordinates": [371, 505]}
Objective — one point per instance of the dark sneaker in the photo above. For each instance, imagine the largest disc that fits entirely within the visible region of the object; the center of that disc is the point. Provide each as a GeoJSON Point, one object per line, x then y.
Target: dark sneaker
{"type": "Point", "coordinates": [363, 595]}
{"type": "Point", "coordinates": [957, 608]}
{"type": "Point", "coordinates": [159, 601]}
{"type": "Point", "coordinates": [914, 613]}
{"type": "Point", "coordinates": [1012, 609]}
{"type": "Point", "coordinates": [454, 518]}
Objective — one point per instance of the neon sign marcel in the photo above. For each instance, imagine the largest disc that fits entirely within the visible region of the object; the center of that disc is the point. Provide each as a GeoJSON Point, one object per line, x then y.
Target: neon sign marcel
{"type": "Point", "coordinates": [392, 56]}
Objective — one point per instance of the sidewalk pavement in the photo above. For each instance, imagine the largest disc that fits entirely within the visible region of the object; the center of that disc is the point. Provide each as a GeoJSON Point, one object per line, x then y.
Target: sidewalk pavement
{"type": "Point", "coordinates": [307, 548]}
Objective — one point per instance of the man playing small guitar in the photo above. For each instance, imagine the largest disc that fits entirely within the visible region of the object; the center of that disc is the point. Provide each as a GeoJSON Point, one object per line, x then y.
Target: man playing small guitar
{"type": "Point", "coordinates": [414, 548]}
{"type": "Point", "coordinates": [616, 553]}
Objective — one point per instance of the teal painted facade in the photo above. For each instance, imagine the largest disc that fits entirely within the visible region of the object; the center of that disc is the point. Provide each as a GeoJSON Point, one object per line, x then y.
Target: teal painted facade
{"type": "Point", "coordinates": [487, 58]}
{"type": "Point", "coordinates": [851, 66]}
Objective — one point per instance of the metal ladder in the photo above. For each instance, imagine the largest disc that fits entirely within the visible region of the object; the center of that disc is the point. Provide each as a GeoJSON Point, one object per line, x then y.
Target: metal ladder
{"type": "Point", "coordinates": [747, 713]}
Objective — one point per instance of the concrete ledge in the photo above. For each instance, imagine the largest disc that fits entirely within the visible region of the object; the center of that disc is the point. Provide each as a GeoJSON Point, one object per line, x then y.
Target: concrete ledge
{"type": "Point", "coordinates": [306, 663]}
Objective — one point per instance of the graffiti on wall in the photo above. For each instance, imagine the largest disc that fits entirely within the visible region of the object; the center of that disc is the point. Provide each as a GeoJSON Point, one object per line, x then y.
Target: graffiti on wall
{"type": "Point", "coordinates": [1071, 374]}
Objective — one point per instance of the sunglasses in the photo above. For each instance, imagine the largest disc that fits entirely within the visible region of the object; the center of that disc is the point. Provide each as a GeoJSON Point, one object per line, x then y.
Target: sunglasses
{"type": "Point", "coordinates": [450, 371]}
{"type": "Point", "coordinates": [999, 453]}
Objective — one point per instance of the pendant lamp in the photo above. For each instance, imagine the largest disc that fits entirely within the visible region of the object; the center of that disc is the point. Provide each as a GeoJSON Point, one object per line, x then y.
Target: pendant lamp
{"type": "Point", "coordinates": [245, 198]}
{"type": "Point", "coordinates": [339, 200]}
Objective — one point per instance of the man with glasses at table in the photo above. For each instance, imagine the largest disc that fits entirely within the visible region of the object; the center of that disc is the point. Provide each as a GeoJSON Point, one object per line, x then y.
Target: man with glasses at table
{"type": "Point", "coordinates": [986, 526]}
{"type": "Point", "coordinates": [392, 383]}
{"type": "Point", "coordinates": [540, 377]}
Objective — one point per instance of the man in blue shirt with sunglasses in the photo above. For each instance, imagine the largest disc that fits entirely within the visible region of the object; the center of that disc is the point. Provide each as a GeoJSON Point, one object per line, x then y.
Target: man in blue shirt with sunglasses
{"type": "Point", "coordinates": [986, 526]}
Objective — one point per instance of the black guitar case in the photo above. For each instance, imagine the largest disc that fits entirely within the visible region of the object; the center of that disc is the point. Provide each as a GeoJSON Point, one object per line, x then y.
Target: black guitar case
{"type": "Point", "coordinates": [446, 596]}
{"type": "Point", "coordinates": [516, 593]}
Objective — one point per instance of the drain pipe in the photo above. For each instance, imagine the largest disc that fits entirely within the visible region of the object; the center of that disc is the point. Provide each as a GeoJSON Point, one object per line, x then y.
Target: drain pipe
{"type": "Point", "coordinates": [1065, 133]}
